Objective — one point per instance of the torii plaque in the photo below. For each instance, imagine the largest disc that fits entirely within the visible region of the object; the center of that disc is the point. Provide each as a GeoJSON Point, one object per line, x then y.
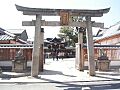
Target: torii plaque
{"type": "Point", "coordinates": [65, 14]}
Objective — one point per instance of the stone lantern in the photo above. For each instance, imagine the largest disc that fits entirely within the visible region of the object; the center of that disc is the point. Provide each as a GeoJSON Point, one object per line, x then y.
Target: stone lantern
{"type": "Point", "coordinates": [103, 62]}
{"type": "Point", "coordinates": [19, 64]}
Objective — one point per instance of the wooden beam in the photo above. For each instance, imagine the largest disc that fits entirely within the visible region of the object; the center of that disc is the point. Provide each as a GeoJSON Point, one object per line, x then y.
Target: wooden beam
{"type": "Point", "coordinates": [40, 13]}
{"type": "Point", "coordinates": [54, 12]}
{"type": "Point", "coordinates": [57, 14]}
{"type": "Point", "coordinates": [28, 23]}
{"type": "Point", "coordinates": [57, 23]}
{"type": "Point", "coordinates": [98, 24]}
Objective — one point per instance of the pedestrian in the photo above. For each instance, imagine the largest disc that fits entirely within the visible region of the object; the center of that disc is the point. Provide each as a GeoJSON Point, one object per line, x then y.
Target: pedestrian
{"type": "Point", "coordinates": [53, 55]}
{"type": "Point", "coordinates": [57, 55]}
{"type": "Point", "coordinates": [61, 55]}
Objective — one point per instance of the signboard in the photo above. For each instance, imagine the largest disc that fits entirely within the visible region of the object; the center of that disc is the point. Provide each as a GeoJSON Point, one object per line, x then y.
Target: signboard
{"type": "Point", "coordinates": [64, 18]}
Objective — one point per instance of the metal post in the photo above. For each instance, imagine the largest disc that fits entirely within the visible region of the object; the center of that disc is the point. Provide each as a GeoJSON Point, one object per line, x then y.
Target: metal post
{"type": "Point", "coordinates": [90, 47]}
{"type": "Point", "coordinates": [35, 56]}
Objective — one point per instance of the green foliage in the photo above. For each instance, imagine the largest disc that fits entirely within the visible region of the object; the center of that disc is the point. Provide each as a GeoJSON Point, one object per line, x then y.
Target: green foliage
{"type": "Point", "coordinates": [70, 35]}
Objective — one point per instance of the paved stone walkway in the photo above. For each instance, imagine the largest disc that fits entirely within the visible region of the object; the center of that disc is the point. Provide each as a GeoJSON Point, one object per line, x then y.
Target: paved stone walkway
{"type": "Point", "coordinates": [62, 75]}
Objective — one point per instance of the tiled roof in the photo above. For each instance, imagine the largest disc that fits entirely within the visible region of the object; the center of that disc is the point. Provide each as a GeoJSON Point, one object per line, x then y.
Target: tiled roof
{"type": "Point", "coordinates": [16, 31]}
{"type": "Point", "coordinates": [105, 33]}
{"type": "Point", "coordinates": [5, 35]}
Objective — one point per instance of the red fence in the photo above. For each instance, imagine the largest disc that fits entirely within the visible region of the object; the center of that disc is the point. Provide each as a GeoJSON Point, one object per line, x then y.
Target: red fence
{"type": "Point", "coordinates": [111, 53]}
{"type": "Point", "coordinates": [9, 53]}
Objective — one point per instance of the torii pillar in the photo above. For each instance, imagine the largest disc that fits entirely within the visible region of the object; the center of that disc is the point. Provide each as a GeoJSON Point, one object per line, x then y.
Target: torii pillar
{"type": "Point", "coordinates": [36, 47]}
{"type": "Point", "coordinates": [41, 62]}
{"type": "Point", "coordinates": [80, 49]}
{"type": "Point", "coordinates": [90, 46]}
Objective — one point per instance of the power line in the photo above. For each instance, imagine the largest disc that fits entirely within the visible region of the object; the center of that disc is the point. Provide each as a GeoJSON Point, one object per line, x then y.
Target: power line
{"type": "Point", "coordinates": [115, 24]}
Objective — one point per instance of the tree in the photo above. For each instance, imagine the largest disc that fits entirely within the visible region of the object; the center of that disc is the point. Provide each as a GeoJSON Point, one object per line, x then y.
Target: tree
{"type": "Point", "coordinates": [69, 35]}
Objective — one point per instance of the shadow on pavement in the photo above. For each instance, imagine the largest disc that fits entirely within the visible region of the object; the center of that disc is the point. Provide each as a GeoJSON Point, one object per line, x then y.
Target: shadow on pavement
{"type": "Point", "coordinates": [87, 85]}
{"type": "Point", "coordinates": [52, 72]}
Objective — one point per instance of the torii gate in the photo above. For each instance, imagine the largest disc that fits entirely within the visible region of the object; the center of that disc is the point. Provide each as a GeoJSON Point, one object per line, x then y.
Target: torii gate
{"type": "Point", "coordinates": [65, 20]}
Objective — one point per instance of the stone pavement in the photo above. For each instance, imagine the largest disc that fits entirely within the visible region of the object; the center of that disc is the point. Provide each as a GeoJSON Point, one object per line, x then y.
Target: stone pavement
{"type": "Point", "coordinates": [62, 75]}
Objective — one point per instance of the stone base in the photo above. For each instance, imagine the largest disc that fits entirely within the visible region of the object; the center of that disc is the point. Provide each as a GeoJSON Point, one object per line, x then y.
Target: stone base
{"type": "Point", "coordinates": [19, 66]}
{"type": "Point", "coordinates": [103, 65]}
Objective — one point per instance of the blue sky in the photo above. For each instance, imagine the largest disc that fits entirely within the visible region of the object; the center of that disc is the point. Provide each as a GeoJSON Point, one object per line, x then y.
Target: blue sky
{"type": "Point", "coordinates": [10, 18]}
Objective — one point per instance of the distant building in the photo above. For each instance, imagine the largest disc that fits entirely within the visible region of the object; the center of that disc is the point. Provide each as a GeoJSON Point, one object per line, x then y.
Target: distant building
{"type": "Point", "coordinates": [9, 38]}
{"type": "Point", "coordinates": [20, 33]}
{"type": "Point", "coordinates": [110, 36]}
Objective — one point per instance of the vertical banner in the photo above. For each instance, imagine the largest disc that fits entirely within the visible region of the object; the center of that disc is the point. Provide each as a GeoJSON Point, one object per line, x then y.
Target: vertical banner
{"type": "Point", "coordinates": [64, 18]}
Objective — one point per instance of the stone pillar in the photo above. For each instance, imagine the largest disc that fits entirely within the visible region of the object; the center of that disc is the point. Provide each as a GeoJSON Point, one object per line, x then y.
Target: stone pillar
{"type": "Point", "coordinates": [80, 49]}
{"type": "Point", "coordinates": [90, 46]}
{"type": "Point", "coordinates": [35, 56]}
{"type": "Point", "coordinates": [41, 50]}
{"type": "Point", "coordinates": [76, 57]}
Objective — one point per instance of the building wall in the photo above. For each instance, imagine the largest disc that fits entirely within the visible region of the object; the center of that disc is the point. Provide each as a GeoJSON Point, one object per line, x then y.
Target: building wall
{"type": "Point", "coordinates": [8, 54]}
{"type": "Point", "coordinates": [4, 42]}
{"type": "Point", "coordinates": [113, 40]}
{"type": "Point", "coordinates": [113, 54]}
